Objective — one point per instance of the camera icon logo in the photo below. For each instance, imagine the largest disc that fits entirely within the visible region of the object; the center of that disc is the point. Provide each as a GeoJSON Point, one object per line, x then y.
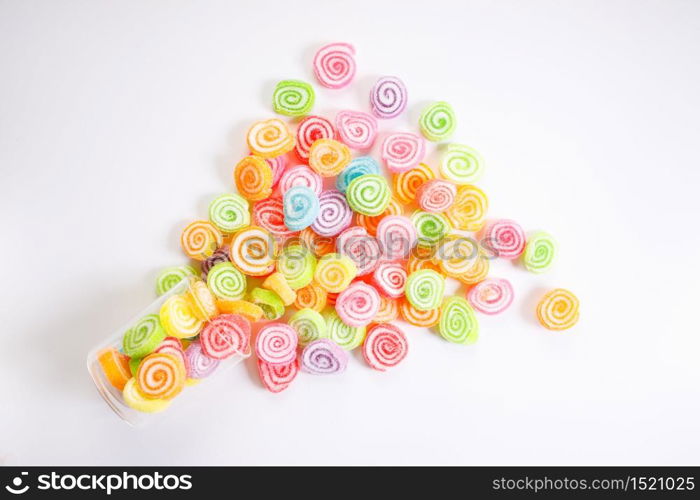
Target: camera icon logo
{"type": "Point", "coordinates": [16, 488]}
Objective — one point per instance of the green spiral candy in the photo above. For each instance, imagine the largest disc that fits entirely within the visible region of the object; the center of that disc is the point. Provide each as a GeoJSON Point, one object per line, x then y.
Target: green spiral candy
{"type": "Point", "coordinates": [268, 301]}
{"type": "Point", "coordinates": [458, 322]}
{"type": "Point", "coordinates": [539, 252]}
{"type": "Point", "coordinates": [226, 282]}
{"type": "Point", "coordinates": [143, 337]}
{"type": "Point", "coordinates": [293, 98]}
{"type": "Point", "coordinates": [171, 276]}
{"type": "Point", "coordinates": [461, 164]}
{"type": "Point", "coordinates": [437, 121]}
{"type": "Point", "coordinates": [229, 213]}
{"type": "Point", "coordinates": [368, 194]}
{"type": "Point", "coordinates": [431, 228]}
{"type": "Point", "coordinates": [309, 325]}
{"type": "Point", "coordinates": [347, 337]}
{"type": "Point", "coordinates": [424, 289]}
{"type": "Point", "coordinates": [297, 264]}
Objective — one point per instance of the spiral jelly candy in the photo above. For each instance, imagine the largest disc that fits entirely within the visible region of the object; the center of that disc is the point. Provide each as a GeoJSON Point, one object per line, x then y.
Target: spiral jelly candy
{"type": "Point", "coordinates": [456, 255]}
{"type": "Point", "coordinates": [202, 300]}
{"type": "Point", "coordinates": [324, 357]}
{"type": "Point", "coordinates": [410, 314]}
{"type": "Point", "coordinates": [491, 296]}
{"type": "Point", "coordinates": [370, 222]}
{"type": "Point", "coordinates": [346, 336]}
{"type": "Point", "coordinates": [301, 175]}
{"type": "Point", "coordinates": [558, 309]}
{"type": "Point", "coordinates": [309, 325]}
{"type": "Point", "coordinates": [253, 251]}
{"type": "Point", "coordinates": [301, 207]}
{"type": "Point", "coordinates": [200, 239]}
{"type": "Point", "coordinates": [143, 337]}
{"type": "Point", "coordinates": [219, 256]}
{"type": "Point", "coordinates": [436, 196]}
{"type": "Point", "coordinates": [329, 157]}
{"type": "Point", "coordinates": [402, 151]}
{"type": "Point", "coordinates": [276, 344]}
{"type": "Point", "coordinates": [357, 167]}
{"type": "Point", "coordinates": [225, 335]}
{"type": "Point", "coordinates": [458, 322]}
{"type": "Point", "coordinates": [297, 264]}
{"type": "Point", "coordinates": [390, 279]}
{"type": "Point", "coordinates": [253, 177]}
{"type": "Point", "coordinates": [505, 238]}
{"type": "Point", "coordinates": [461, 164]}
{"type": "Point", "coordinates": [539, 252]}
{"type": "Point", "coordinates": [115, 367]}
{"type": "Point", "coordinates": [385, 346]}
{"type": "Point", "coordinates": [278, 284]}
{"type": "Point", "coordinates": [293, 98]}
{"type": "Point", "coordinates": [334, 214]}
{"type": "Point", "coordinates": [406, 184]}
{"type": "Point", "coordinates": [358, 304]}
{"type": "Point", "coordinates": [276, 378]}
{"type": "Point", "coordinates": [199, 365]}
{"type": "Point", "coordinates": [437, 121]}
{"type": "Point", "coordinates": [270, 138]}
{"type": "Point", "coordinates": [252, 312]}
{"type": "Point", "coordinates": [311, 296]}
{"type": "Point", "coordinates": [269, 214]}
{"type": "Point", "coordinates": [369, 194]}
{"type": "Point", "coordinates": [171, 276]}
{"type": "Point", "coordinates": [356, 129]}
{"type": "Point", "coordinates": [388, 310]}
{"type": "Point", "coordinates": [317, 244]}
{"type": "Point", "coordinates": [173, 346]}
{"type": "Point", "coordinates": [418, 262]}
{"type": "Point", "coordinates": [311, 129]}
{"type": "Point", "coordinates": [178, 318]}
{"type": "Point", "coordinates": [424, 289]}
{"type": "Point", "coordinates": [334, 65]}
{"type": "Point", "coordinates": [278, 165]}
{"type": "Point", "coordinates": [271, 303]}
{"type": "Point", "coordinates": [468, 212]}
{"type": "Point", "coordinates": [226, 282]}
{"type": "Point", "coordinates": [478, 272]}
{"type": "Point", "coordinates": [431, 228]}
{"type": "Point", "coordinates": [397, 235]}
{"type": "Point", "coordinates": [388, 97]}
{"type": "Point", "coordinates": [363, 249]}
{"type": "Point", "coordinates": [161, 376]}
{"type": "Point", "coordinates": [229, 212]}
{"type": "Point", "coordinates": [334, 272]}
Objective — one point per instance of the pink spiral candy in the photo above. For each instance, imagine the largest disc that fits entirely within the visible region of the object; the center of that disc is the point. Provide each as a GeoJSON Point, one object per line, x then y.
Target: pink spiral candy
{"type": "Point", "coordinates": [324, 357]}
{"type": "Point", "coordinates": [334, 65]}
{"type": "Point", "coordinates": [388, 97]}
{"type": "Point", "coordinates": [269, 214]}
{"type": "Point", "coordinates": [311, 129]}
{"type": "Point", "coordinates": [390, 279]}
{"type": "Point", "coordinates": [362, 248]}
{"type": "Point", "coordinates": [301, 175]}
{"type": "Point", "coordinates": [198, 364]}
{"type": "Point", "coordinates": [504, 237]}
{"type": "Point", "coordinates": [357, 304]}
{"type": "Point", "coordinates": [491, 296]}
{"type": "Point", "coordinates": [397, 235]}
{"type": "Point", "coordinates": [276, 344]}
{"type": "Point", "coordinates": [277, 164]}
{"type": "Point", "coordinates": [436, 195]}
{"type": "Point", "coordinates": [277, 378]}
{"type": "Point", "coordinates": [334, 214]}
{"type": "Point", "coordinates": [225, 335]}
{"type": "Point", "coordinates": [356, 129]}
{"type": "Point", "coordinates": [385, 346]}
{"type": "Point", "coordinates": [402, 151]}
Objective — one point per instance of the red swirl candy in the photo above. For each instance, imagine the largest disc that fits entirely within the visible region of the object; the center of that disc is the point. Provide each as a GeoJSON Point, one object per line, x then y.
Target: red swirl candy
{"type": "Point", "coordinates": [225, 335]}
{"type": "Point", "coordinates": [358, 304]}
{"type": "Point", "coordinates": [504, 237]}
{"type": "Point", "coordinates": [390, 279]}
{"type": "Point", "coordinates": [276, 344]}
{"type": "Point", "coordinates": [301, 175]}
{"type": "Point", "coordinates": [334, 65]}
{"type": "Point", "coordinates": [278, 164]}
{"type": "Point", "coordinates": [436, 195]}
{"type": "Point", "coordinates": [363, 249]}
{"type": "Point", "coordinates": [356, 129]}
{"type": "Point", "coordinates": [269, 214]}
{"type": "Point", "coordinates": [402, 151]}
{"type": "Point", "coordinates": [385, 346]}
{"type": "Point", "coordinates": [311, 129]}
{"type": "Point", "coordinates": [491, 296]}
{"type": "Point", "coordinates": [277, 378]}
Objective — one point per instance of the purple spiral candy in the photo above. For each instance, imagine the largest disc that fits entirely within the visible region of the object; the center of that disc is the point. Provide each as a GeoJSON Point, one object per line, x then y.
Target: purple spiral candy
{"type": "Point", "coordinates": [334, 214]}
{"type": "Point", "coordinates": [388, 97]}
{"type": "Point", "coordinates": [199, 364]}
{"type": "Point", "coordinates": [324, 357]}
{"type": "Point", "coordinates": [220, 255]}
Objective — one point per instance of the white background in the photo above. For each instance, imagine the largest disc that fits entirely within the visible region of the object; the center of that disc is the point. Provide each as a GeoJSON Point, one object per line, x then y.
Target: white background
{"type": "Point", "coordinates": [120, 120]}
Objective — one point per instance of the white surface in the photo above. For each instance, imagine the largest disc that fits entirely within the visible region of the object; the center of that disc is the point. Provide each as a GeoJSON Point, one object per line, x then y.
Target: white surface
{"type": "Point", "coordinates": [120, 120]}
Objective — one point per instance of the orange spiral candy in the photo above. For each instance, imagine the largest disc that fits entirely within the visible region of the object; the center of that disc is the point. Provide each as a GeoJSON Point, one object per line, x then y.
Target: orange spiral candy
{"type": "Point", "coordinates": [161, 376]}
{"type": "Point", "coordinates": [319, 245]}
{"type": "Point", "coordinates": [478, 272]}
{"type": "Point", "coordinates": [253, 177]}
{"type": "Point", "coordinates": [428, 318]}
{"type": "Point", "coordinates": [388, 310]}
{"type": "Point", "coordinates": [311, 296]}
{"type": "Point", "coordinates": [370, 223]}
{"type": "Point", "coordinates": [329, 157]}
{"type": "Point", "coordinates": [558, 309]}
{"type": "Point", "coordinates": [270, 138]}
{"type": "Point", "coordinates": [468, 212]}
{"type": "Point", "coordinates": [200, 239]}
{"type": "Point", "coordinates": [252, 312]}
{"type": "Point", "coordinates": [407, 183]}
{"type": "Point", "coordinates": [253, 251]}
{"type": "Point", "coordinates": [416, 262]}
{"type": "Point", "coordinates": [115, 366]}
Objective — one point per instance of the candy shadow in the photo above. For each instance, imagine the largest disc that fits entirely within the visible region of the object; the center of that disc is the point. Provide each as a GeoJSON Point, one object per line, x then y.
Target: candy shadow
{"type": "Point", "coordinates": [528, 304]}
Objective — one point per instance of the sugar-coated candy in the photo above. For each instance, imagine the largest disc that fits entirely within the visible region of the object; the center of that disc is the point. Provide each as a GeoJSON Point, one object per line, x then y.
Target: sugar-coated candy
{"type": "Point", "coordinates": [385, 346]}
{"type": "Point", "coordinates": [328, 157]}
{"type": "Point", "coordinates": [277, 378]}
{"type": "Point", "coordinates": [491, 296]}
{"type": "Point", "coordinates": [200, 239]}
{"type": "Point", "coordinates": [278, 284]}
{"type": "Point", "coordinates": [253, 251]}
{"type": "Point", "coordinates": [309, 325]}
{"type": "Point", "coordinates": [276, 344]}
{"type": "Point", "coordinates": [363, 249]}
{"type": "Point", "coordinates": [202, 300]}
{"type": "Point", "coordinates": [461, 164]}
{"type": "Point", "coordinates": [171, 276]}
{"type": "Point", "coordinates": [311, 129]}
{"type": "Point", "coordinates": [324, 357]}
{"type": "Point", "coordinates": [397, 236]}
{"type": "Point", "coordinates": [356, 129]}
{"type": "Point", "coordinates": [143, 337]}
{"type": "Point", "coordinates": [318, 245]}
{"type": "Point", "coordinates": [334, 272]}
{"type": "Point", "coordinates": [253, 178]}
{"type": "Point", "coordinates": [424, 289]}
{"type": "Point", "coordinates": [220, 255]}
{"type": "Point", "coordinates": [478, 272]}
{"type": "Point", "coordinates": [271, 303]}
{"type": "Point", "coordinates": [388, 310]}
{"type": "Point", "coordinates": [229, 212]}
{"type": "Point", "coordinates": [301, 175]}
{"type": "Point", "coordinates": [161, 376]}
{"type": "Point", "coordinates": [539, 252]}
{"type": "Point", "coordinates": [357, 304]}
{"type": "Point", "coordinates": [334, 65]}
{"type": "Point", "coordinates": [334, 214]}
{"type": "Point", "coordinates": [436, 195]}
{"type": "Point", "coordinates": [134, 365]}
{"type": "Point", "coordinates": [173, 346]}
{"type": "Point", "coordinates": [300, 207]}
{"type": "Point", "coordinates": [278, 164]}
{"type": "Point", "coordinates": [269, 215]}
{"type": "Point", "coordinates": [458, 322]}
{"type": "Point", "coordinates": [178, 318]}
{"type": "Point", "coordinates": [431, 228]}
{"type": "Point", "coordinates": [297, 264]}
{"type": "Point", "coordinates": [199, 365]}
{"type": "Point", "coordinates": [558, 309]}
{"type": "Point", "coordinates": [252, 312]}
{"type": "Point", "coordinates": [388, 97]}
{"type": "Point", "coordinates": [456, 255]}
{"type": "Point", "coordinates": [402, 151]}
{"type": "Point", "coordinates": [370, 222]}
{"type": "Point", "coordinates": [311, 296]}
{"type": "Point", "coordinates": [270, 138]}
{"type": "Point", "coordinates": [437, 121]}
{"type": "Point", "coordinates": [293, 98]}
{"type": "Point", "coordinates": [468, 212]}
{"type": "Point", "coordinates": [226, 282]}
{"type": "Point", "coordinates": [504, 238]}
{"type": "Point", "coordinates": [410, 314]}
{"type": "Point", "coordinates": [346, 336]}
{"type": "Point", "coordinates": [357, 167]}
{"type": "Point", "coordinates": [225, 335]}
{"type": "Point", "coordinates": [134, 398]}
{"type": "Point", "coordinates": [416, 262]}
{"type": "Point", "coordinates": [368, 194]}
{"type": "Point", "coordinates": [390, 279]}
{"type": "Point", "coordinates": [115, 367]}
{"type": "Point", "coordinates": [406, 184]}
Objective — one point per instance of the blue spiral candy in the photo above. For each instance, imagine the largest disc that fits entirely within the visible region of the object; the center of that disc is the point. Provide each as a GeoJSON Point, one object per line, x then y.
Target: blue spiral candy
{"type": "Point", "coordinates": [300, 207]}
{"type": "Point", "coordinates": [359, 166]}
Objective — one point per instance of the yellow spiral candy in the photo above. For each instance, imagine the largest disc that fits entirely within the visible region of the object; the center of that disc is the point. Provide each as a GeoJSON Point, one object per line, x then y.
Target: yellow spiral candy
{"type": "Point", "coordinates": [319, 245]}
{"type": "Point", "coordinates": [200, 239]}
{"type": "Point", "coordinates": [370, 223]}
{"type": "Point", "coordinates": [329, 157]}
{"type": "Point", "coordinates": [334, 272]}
{"type": "Point", "coordinates": [253, 250]}
{"type": "Point", "coordinates": [270, 138]}
{"type": "Point", "coordinates": [135, 399]}
{"type": "Point", "coordinates": [407, 183]}
{"type": "Point", "coordinates": [178, 318]}
{"type": "Point", "coordinates": [418, 262]}
{"type": "Point", "coordinates": [278, 283]}
{"type": "Point", "coordinates": [456, 255]}
{"type": "Point", "coordinates": [202, 301]}
{"type": "Point", "coordinates": [253, 177]}
{"type": "Point", "coordinates": [388, 310]}
{"type": "Point", "coordinates": [478, 272]}
{"type": "Point", "coordinates": [468, 212]}
{"type": "Point", "coordinates": [558, 309]}
{"type": "Point", "coordinates": [311, 296]}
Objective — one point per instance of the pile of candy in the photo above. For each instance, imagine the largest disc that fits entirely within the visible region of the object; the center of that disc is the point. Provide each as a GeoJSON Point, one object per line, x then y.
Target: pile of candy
{"type": "Point", "coordinates": [346, 259]}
